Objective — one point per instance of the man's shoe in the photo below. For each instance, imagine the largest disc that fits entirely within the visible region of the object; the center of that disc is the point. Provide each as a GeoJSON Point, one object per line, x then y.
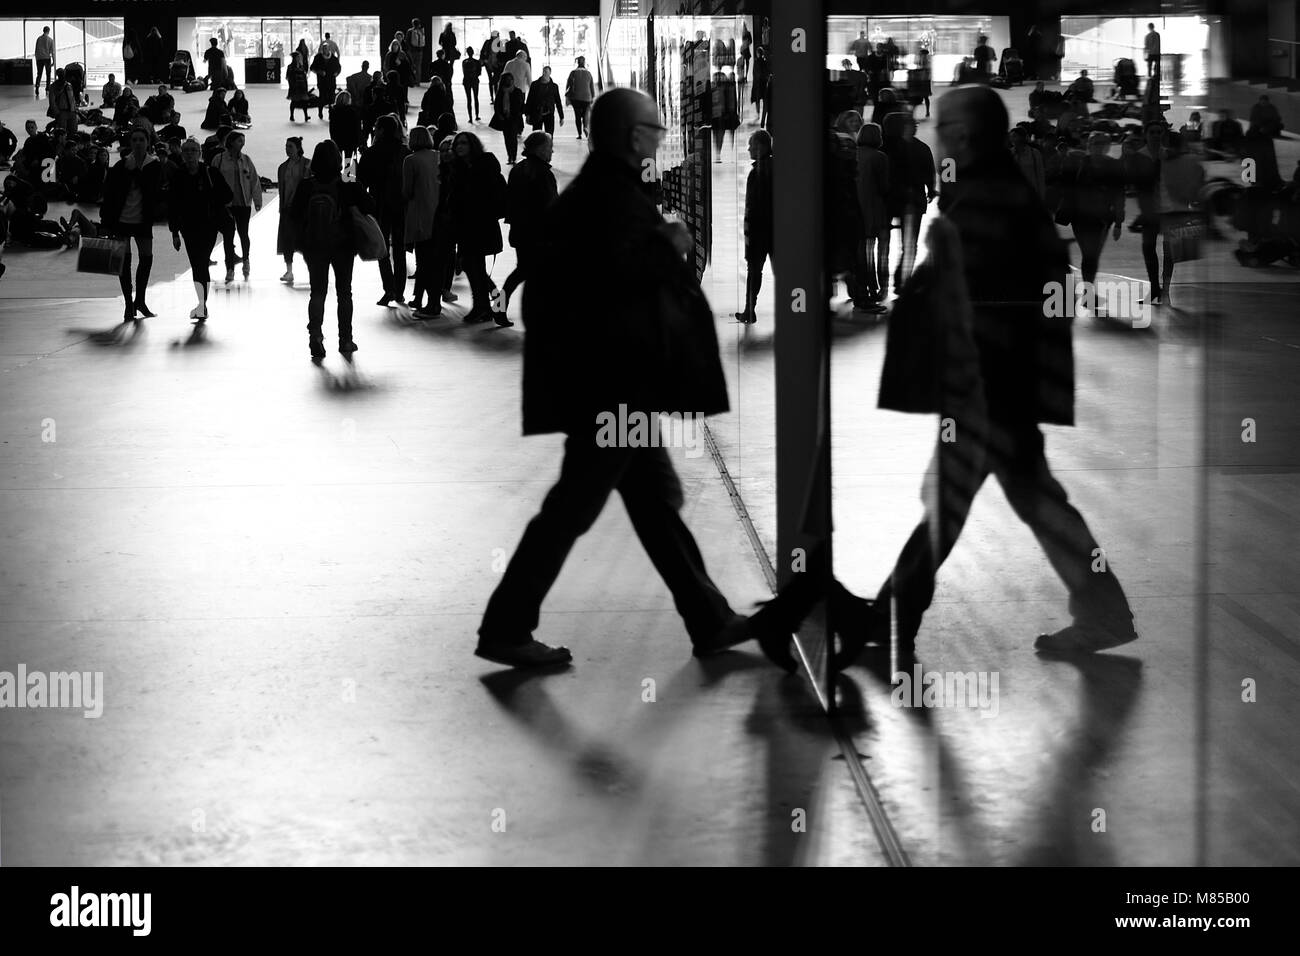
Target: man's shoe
{"type": "Point", "coordinates": [1080, 639]}
{"type": "Point", "coordinates": [531, 654]}
{"type": "Point", "coordinates": [501, 320]}
{"type": "Point", "coordinates": [230, 274]}
{"type": "Point", "coordinates": [735, 631]}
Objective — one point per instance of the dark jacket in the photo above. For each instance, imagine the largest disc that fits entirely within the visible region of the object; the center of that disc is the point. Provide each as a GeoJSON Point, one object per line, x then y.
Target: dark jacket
{"type": "Point", "coordinates": [476, 203]}
{"type": "Point", "coordinates": [1026, 356]}
{"type": "Point", "coordinates": [758, 209]}
{"type": "Point", "coordinates": [435, 102]}
{"type": "Point", "coordinates": [380, 171]}
{"type": "Point", "coordinates": [197, 202]}
{"type": "Point", "coordinates": [350, 195]}
{"type": "Point", "coordinates": [345, 127]}
{"type": "Point", "coordinates": [529, 194]}
{"type": "Point", "coordinates": [118, 183]}
{"type": "Point", "coordinates": [510, 110]}
{"type": "Point", "coordinates": [217, 116]}
{"type": "Point", "coordinates": [444, 70]}
{"type": "Point", "coordinates": [543, 98]}
{"type": "Point", "coordinates": [637, 330]}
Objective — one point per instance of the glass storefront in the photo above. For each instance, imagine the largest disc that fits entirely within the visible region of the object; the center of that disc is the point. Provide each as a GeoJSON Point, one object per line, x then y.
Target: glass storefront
{"type": "Point", "coordinates": [277, 37]}
{"type": "Point", "coordinates": [1096, 43]}
{"type": "Point", "coordinates": [552, 41]}
{"type": "Point", "coordinates": [949, 39]}
{"type": "Point", "coordinates": [94, 42]}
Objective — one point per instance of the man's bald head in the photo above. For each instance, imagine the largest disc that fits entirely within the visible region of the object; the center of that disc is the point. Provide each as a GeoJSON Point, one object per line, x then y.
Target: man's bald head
{"type": "Point", "coordinates": [623, 124]}
{"type": "Point", "coordinates": [973, 124]}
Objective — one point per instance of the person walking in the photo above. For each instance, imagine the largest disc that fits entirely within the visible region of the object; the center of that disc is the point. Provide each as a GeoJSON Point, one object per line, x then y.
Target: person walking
{"type": "Point", "coordinates": [638, 281]}
{"type": "Point", "coordinates": [132, 204]}
{"type": "Point", "coordinates": [357, 84]}
{"type": "Point", "coordinates": [759, 229]}
{"type": "Point", "coordinates": [215, 59]}
{"type": "Point", "coordinates": [246, 196]}
{"type": "Point", "coordinates": [491, 55]}
{"type": "Point", "coordinates": [416, 42]}
{"type": "Point", "coordinates": [44, 55]}
{"type": "Point", "coordinates": [476, 203]}
{"type": "Point", "coordinates": [420, 189]}
{"type": "Point", "coordinates": [1011, 254]}
{"type": "Point", "coordinates": [542, 104]}
{"type": "Point", "coordinates": [1179, 180]}
{"type": "Point", "coordinates": [436, 101]}
{"type": "Point", "coordinates": [322, 211]}
{"type": "Point", "coordinates": [1151, 51]}
{"type": "Point", "coordinates": [380, 171]}
{"type": "Point", "coordinates": [197, 200]}
{"type": "Point", "coordinates": [155, 58]}
{"type": "Point", "coordinates": [293, 172]}
{"type": "Point", "coordinates": [508, 115]}
{"type": "Point", "coordinates": [1029, 159]}
{"type": "Point", "coordinates": [397, 61]}
{"type": "Point", "coordinates": [326, 67]}
{"type": "Point", "coordinates": [873, 194]}
{"type": "Point", "coordinates": [471, 70]}
{"type": "Point", "coordinates": [299, 95]}
{"type": "Point", "coordinates": [579, 92]}
{"type": "Point", "coordinates": [519, 69]}
{"type": "Point", "coordinates": [911, 186]}
{"type": "Point", "coordinates": [530, 192]}
{"type": "Point", "coordinates": [345, 126]}
{"type": "Point", "coordinates": [1096, 206]}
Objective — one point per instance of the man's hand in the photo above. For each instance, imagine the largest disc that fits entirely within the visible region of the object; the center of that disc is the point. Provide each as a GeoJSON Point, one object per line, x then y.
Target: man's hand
{"type": "Point", "coordinates": [680, 237]}
{"type": "Point", "coordinates": [176, 241]}
{"type": "Point", "coordinates": [1117, 231]}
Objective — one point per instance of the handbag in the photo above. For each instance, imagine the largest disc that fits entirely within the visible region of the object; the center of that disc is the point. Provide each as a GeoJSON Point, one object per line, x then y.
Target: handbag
{"type": "Point", "coordinates": [101, 256]}
{"type": "Point", "coordinates": [369, 237]}
{"type": "Point", "coordinates": [1183, 234]}
{"type": "Point", "coordinates": [496, 122]}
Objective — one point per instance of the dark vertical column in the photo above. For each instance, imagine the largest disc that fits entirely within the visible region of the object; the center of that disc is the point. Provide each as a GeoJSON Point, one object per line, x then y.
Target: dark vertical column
{"type": "Point", "coordinates": [798, 58]}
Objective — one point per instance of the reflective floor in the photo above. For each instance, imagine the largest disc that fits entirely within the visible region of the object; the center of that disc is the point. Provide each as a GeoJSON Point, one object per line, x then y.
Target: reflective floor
{"type": "Point", "coordinates": [279, 571]}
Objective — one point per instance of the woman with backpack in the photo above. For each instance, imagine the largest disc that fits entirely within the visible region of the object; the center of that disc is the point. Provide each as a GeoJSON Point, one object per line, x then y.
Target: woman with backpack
{"type": "Point", "coordinates": [420, 190]}
{"type": "Point", "coordinates": [323, 215]}
{"type": "Point", "coordinates": [476, 202]}
{"type": "Point", "coordinates": [508, 114]}
{"type": "Point", "coordinates": [380, 171]}
{"type": "Point", "coordinates": [197, 197]}
{"type": "Point", "coordinates": [293, 172]}
{"type": "Point", "coordinates": [132, 204]}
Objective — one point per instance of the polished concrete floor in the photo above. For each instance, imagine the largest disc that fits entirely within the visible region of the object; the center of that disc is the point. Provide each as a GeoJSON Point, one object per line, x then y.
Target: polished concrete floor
{"type": "Point", "coordinates": [279, 571]}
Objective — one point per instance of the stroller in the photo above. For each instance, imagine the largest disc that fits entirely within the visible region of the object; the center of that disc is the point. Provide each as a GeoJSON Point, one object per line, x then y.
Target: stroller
{"type": "Point", "coordinates": [1125, 80]}
{"type": "Point", "coordinates": [181, 71]}
{"type": "Point", "coordinates": [1012, 68]}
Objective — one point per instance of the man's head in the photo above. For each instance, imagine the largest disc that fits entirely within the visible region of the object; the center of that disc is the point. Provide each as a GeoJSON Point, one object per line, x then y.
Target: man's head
{"type": "Point", "coordinates": [327, 36]}
{"type": "Point", "coordinates": [546, 73]}
{"type": "Point", "coordinates": [1151, 26]}
{"type": "Point", "coordinates": [30, 127]}
{"type": "Point", "coordinates": [582, 62]}
{"type": "Point", "coordinates": [521, 56]}
{"type": "Point", "coordinates": [972, 124]}
{"type": "Point", "coordinates": [1019, 138]}
{"type": "Point", "coordinates": [1083, 74]}
{"type": "Point", "coordinates": [760, 144]}
{"type": "Point", "coordinates": [512, 34]}
{"type": "Point", "coordinates": [625, 125]}
{"type": "Point", "coordinates": [111, 78]}
{"type": "Point", "coordinates": [365, 66]}
{"type": "Point", "coordinates": [212, 42]}
{"type": "Point", "coordinates": [46, 30]}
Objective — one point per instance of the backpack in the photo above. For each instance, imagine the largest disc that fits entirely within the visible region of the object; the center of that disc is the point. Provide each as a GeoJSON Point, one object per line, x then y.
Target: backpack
{"type": "Point", "coordinates": [323, 227]}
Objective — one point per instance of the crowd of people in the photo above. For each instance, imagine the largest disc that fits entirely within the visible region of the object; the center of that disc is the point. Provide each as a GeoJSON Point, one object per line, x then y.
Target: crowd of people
{"type": "Point", "coordinates": [378, 187]}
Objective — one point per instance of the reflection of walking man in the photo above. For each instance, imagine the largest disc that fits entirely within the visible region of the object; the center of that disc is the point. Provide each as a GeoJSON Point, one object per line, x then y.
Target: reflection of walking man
{"type": "Point", "coordinates": [644, 292]}
{"type": "Point", "coordinates": [1151, 47]}
{"type": "Point", "coordinates": [1027, 367]}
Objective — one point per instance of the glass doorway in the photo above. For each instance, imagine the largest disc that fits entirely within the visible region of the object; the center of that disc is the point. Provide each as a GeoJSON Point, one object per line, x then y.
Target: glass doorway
{"type": "Point", "coordinates": [96, 43]}
{"type": "Point", "coordinates": [278, 37]}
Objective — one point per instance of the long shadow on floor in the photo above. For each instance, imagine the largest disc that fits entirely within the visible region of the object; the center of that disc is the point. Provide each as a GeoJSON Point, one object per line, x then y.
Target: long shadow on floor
{"type": "Point", "coordinates": [784, 714]}
{"type": "Point", "coordinates": [122, 335]}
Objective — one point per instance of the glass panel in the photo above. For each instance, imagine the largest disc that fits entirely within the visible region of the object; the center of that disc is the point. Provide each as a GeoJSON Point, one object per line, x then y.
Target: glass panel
{"type": "Point", "coordinates": [103, 50]}
{"type": "Point", "coordinates": [12, 46]}
{"type": "Point", "coordinates": [357, 39]}
{"type": "Point", "coordinates": [276, 44]}
{"type": "Point", "coordinates": [31, 30]}
{"type": "Point", "coordinates": [1096, 43]}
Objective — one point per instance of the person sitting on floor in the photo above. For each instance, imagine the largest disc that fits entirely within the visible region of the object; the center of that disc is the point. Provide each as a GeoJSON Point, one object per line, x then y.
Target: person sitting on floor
{"type": "Point", "coordinates": [112, 90]}
{"type": "Point", "coordinates": [238, 106]}
{"type": "Point", "coordinates": [218, 113]}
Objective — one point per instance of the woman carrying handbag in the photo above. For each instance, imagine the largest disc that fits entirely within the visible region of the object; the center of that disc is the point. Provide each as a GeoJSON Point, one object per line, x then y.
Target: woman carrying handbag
{"type": "Point", "coordinates": [132, 198]}
{"type": "Point", "coordinates": [508, 114]}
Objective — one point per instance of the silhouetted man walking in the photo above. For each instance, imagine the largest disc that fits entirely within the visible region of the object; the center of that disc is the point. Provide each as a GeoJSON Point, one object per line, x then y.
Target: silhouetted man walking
{"type": "Point", "coordinates": [656, 351]}
{"type": "Point", "coordinates": [1010, 251]}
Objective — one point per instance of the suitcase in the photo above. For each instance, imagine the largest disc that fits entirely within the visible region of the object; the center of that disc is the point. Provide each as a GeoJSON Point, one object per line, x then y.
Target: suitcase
{"type": "Point", "coordinates": [101, 256]}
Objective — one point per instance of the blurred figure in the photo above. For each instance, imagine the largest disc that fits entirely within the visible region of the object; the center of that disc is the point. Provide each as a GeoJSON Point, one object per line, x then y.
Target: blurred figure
{"type": "Point", "coordinates": [542, 104]}
{"type": "Point", "coordinates": [476, 202]}
{"type": "Point", "coordinates": [530, 192]}
{"type": "Point", "coordinates": [246, 192]}
{"type": "Point", "coordinates": [196, 205]}
{"type": "Point", "coordinates": [471, 71]}
{"type": "Point", "coordinates": [345, 126]}
{"type": "Point", "coordinates": [580, 91]}
{"type": "Point", "coordinates": [380, 171]}
{"type": "Point", "coordinates": [758, 224]}
{"type": "Point", "coordinates": [420, 189]}
{"type": "Point", "coordinates": [132, 204]}
{"type": "Point", "coordinates": [508, 114]}
{"type": "Point", "coordinates": [293, 172]}
{"type": "Point", "coordinates": [873, 194]}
